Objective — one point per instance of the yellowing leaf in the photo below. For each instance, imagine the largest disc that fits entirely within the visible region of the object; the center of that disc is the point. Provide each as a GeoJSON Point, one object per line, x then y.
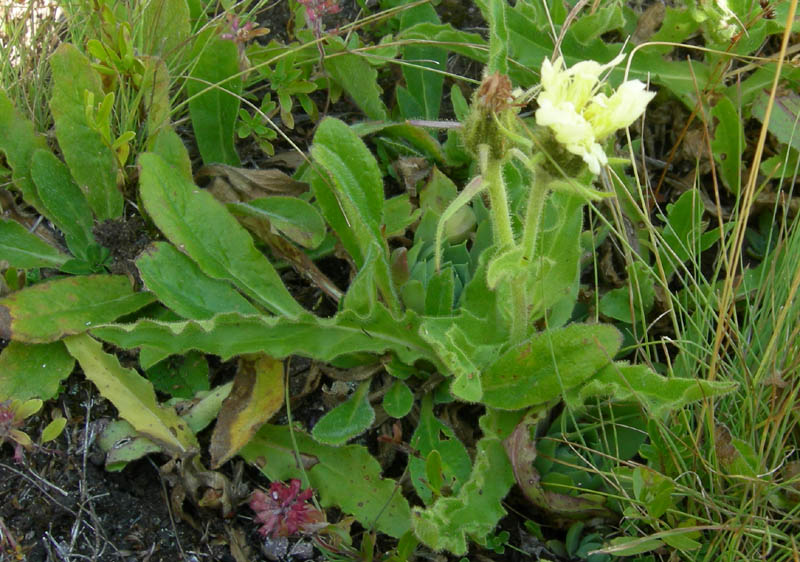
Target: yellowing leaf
{"type": "Point", "coordinates": [256, 395]}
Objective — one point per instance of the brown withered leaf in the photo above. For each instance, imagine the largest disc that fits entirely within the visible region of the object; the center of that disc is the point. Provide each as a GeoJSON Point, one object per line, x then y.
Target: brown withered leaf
{"type": "Point", "coordinates": [521, 449]}
{"type": "Point", "coordinates": [298, 259]}
{"type": "Point", "coordinates": [256, 396]}
{"type": "Point", "coordinates": [648, 23]}
{"type": "Point", "coordinates": [412, 169]}
{"type": "Point", "coordinates": [249, 184]}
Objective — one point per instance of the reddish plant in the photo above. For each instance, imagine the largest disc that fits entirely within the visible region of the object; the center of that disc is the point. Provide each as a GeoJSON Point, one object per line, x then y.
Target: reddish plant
{"type": "Point", "coordinates": [316, 9]}
{"type": "Point", "coordinates": [284, 510]}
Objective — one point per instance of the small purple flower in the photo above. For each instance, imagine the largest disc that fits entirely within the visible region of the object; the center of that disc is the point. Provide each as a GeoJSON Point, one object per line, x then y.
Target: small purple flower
{"type": "Point", "coordinates": [284, 510]}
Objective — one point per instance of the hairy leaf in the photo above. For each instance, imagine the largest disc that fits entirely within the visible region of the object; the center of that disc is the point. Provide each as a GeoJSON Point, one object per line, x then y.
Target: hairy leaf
{"type": "Point", "coordinates": [232, 334]}
{"type": "Point", "coordinates": [347, 420]}
{"type": "Point", "coordinates": [201, 226]}
{"type": "Point", "coordinates": [658, 394]}
{"type": "Point", "coordinates": [91, 161]}
{"type": "Point", "coordinates": [182, 286]}
{"type": "Point", "coordinates": [432, 435]}
{"type": "Point", "coordinates": [50, 310]}
{"type": "Point", "coordinates": [477, 508]}
{"type": "Point", "coordinates": [24, 250]}
{"type": "Point", "coordinates": [33, 370]}
{"type": "Point", "coordinates": [550, 363]}
{"type": "Point", "coordinates": [132, 395]}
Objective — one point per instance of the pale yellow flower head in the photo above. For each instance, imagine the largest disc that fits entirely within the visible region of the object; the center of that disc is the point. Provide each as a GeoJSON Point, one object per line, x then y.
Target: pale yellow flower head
{"type": "Point", "coordinates": [580, 117]}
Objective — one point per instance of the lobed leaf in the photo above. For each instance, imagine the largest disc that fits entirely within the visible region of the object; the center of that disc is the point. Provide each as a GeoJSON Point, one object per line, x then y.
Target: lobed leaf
{"type": "Point", "coordinates": [233, 334]}
{"type": "Point", "coordinates": [477, 508]}
{"type": "Point", "coordinates": [657, 394]}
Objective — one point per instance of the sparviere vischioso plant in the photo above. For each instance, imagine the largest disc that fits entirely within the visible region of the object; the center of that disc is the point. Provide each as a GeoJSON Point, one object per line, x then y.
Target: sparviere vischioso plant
{"type": "Point", "coordinates": [493, 317]}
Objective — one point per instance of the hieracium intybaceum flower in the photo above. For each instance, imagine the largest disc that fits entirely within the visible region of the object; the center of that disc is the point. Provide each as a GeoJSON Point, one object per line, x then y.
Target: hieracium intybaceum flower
{"type": "Point", "coordinates": [579, 115]}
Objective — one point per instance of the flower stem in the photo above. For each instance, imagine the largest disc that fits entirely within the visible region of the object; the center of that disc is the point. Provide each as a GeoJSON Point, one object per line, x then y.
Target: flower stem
{"type": "Point", "coordinates": [504, 238]}
{"type": "Point", "coordinates": [501, 220]}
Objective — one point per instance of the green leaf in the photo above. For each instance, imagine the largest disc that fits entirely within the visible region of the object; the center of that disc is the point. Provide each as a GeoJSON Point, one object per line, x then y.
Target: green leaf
{"type": "Point", "coordinates": [296, 219]}
{"type": "Point", "coordinates": [477, 508]}
{"type": "Point", "coordinates": [550, 363]}
{"type": "Point", "coordinates": [179, 283]}
{"type": "Point", "coordinates": [122, 444]}
{"type": "Point", "coordinates": [494, 11]}
{"type": "Point", "coordinates": [155, 88]}
{"type": "Point", "coordinates": [165, 27]}
{"type": "Point", "coordinates": [346, 477]}
{"type": "Point", "coordinates": [728, 142]}
{"type": "Point", "coordinates": [24, 250]}
{"type": "Point", "coordinates": [90, 160]}
{"type": "Point", "coordinates": [399, 214]}
{"type": "Point", "coordinates": [629, 546]}
{"type": "Point", "coordinates": [232, 334]}
{"type": "Point", "coordinates": [132, 395]}
{"type": "Point", "coordinates": [18, 141]}
{"type": "Point", "coordinates": [356, 77]}
{"type": "Point", "coordinates": [182, 378]}
{"type": "Point", "coordinates": [214, 89]}
{"type": "Point", "coordinates": [659, 395]}
{"type": "Point", "coordinates": [399, 400]}
{"type": "Point", "coordinates": [347, 420]}
{"type": "Point", "coordinates": [639, 291]}
{"type": "Point", "coordinates": [201, 226]}
{"type": "Point", "coordinates": [432, 435]}
{"type": "Point", "coordinates": [417, 137]}
{"type": "Point", "coordinates": [424, 88]}
{"type": "Point", "coordinates": [53, 429]}
{"type": "Point", "coordinates": [33, 370]}
{"type": "Point", "coordinates": [351, 197]}
{"type": "Point", "coordinates": [48, 311]}
{"type": "Point", "coordinates": [64, 201]}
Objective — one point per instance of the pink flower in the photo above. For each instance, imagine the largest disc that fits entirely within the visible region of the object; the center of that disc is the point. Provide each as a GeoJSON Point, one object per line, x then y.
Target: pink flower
{"type": "Point", "coordinates": [315, 9]}
{"type": "Point", "coordinates": [284, 510]}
